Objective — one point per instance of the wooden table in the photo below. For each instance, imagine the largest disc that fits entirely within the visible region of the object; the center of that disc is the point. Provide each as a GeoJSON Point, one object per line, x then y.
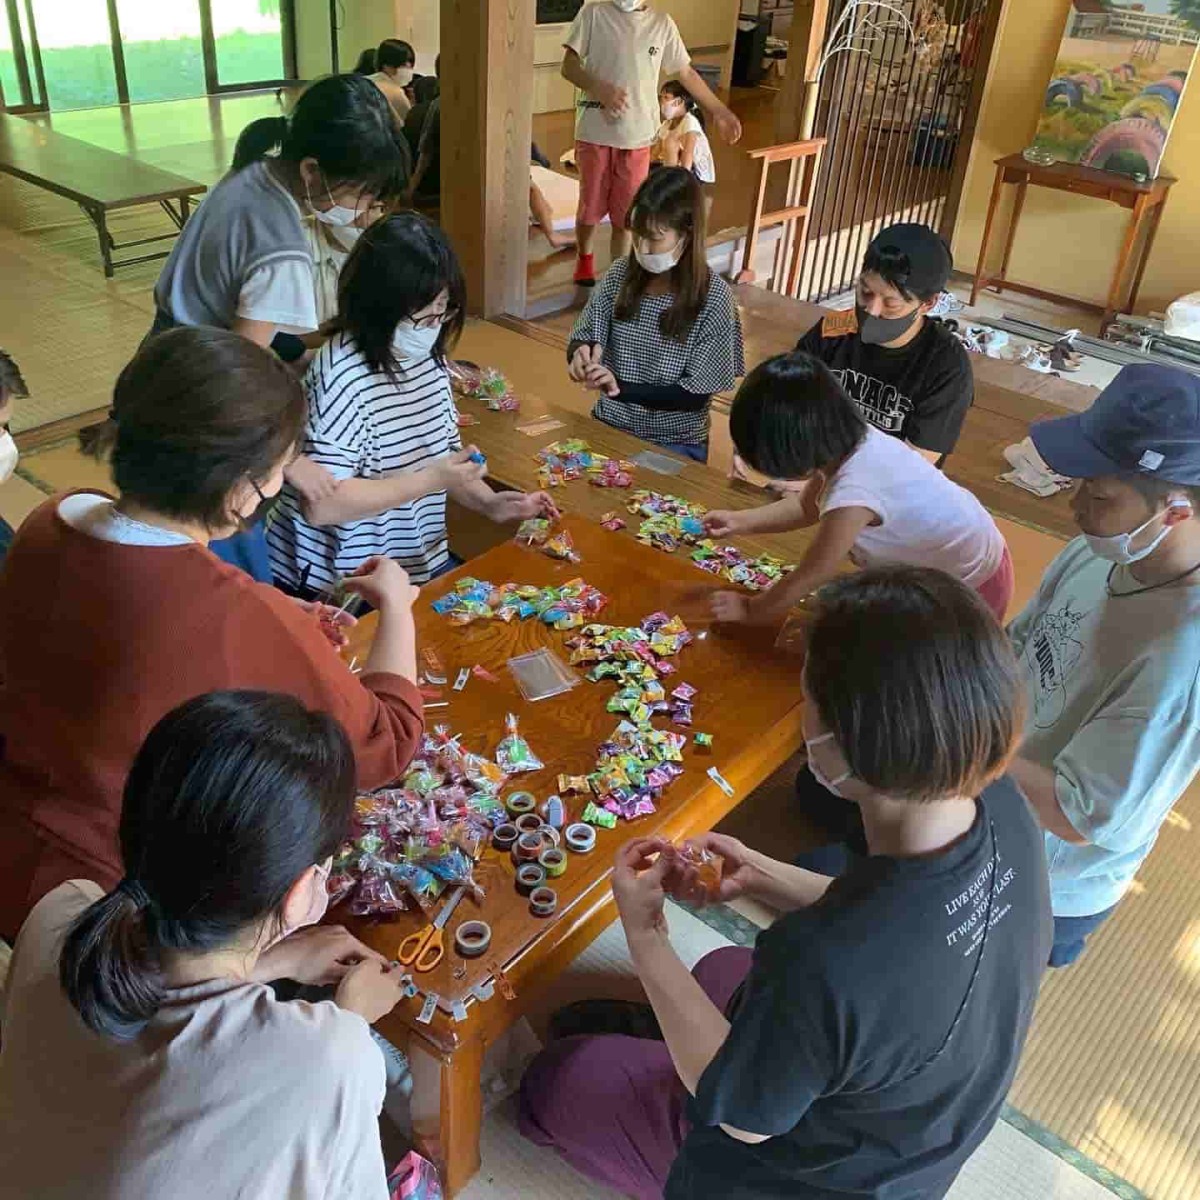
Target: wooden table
{"type": "Point", "coordinates": [98, 180]}
{"type": "Point", "coordinates": [749, 699]}
{"type": "Point", "coordinates": [1145, 202]}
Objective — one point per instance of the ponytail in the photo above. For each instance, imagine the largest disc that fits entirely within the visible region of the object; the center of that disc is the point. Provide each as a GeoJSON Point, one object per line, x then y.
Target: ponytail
{"type": "Point", "coordinates": [108, 969]}
{"type": "Point", "coordinates": [258, 139]}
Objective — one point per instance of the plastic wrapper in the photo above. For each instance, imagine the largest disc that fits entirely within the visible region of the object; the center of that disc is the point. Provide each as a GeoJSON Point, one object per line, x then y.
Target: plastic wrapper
{"type": "Point", "coordinates": [612, 521]}
{"type": "Point", "coordinates": [709, 868]}
{"type": "Point", "coordinates": [475, 599]}
{"type": "Point", "coordinates": [571, 459]}
{"type": "Point", "coordinates": [513, 755]}
{"type": "Point", "coordinates": [562, 545]}
{"type": "Point", "coordinates": [595, 815]}
{"type": "Point", "coordinates": [533, 531]}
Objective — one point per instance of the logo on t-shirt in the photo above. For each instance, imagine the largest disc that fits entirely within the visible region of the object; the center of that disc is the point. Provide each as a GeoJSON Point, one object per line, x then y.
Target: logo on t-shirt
{"type": "Point", "coordinates": [653, 51]}
{"type": "Point", "coordinates": [885, 406]}
{"type": "Point", "coordinates": [1052, 652]}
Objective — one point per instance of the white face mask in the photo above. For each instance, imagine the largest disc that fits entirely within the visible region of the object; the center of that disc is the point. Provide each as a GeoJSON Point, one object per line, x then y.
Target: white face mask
{"type": "Point", "coordinates": [629, 5]}
{"type": "Point", "coordinates": [657, 264]}
{"type": "Point", "coordinates": [670, 109]}
{"type": "Point", "coordinates": [411, 342]}
{"type": "Point", "coordinates": [8, 455]}
{"type": "Point", "coordinates": [1115, 547]}
{"type": "Point", "coordinates": [403, 76]}
{"type": "Point", "coordinates": [830, 785]}
{"type": "Point", "coordinates": [336, 214]}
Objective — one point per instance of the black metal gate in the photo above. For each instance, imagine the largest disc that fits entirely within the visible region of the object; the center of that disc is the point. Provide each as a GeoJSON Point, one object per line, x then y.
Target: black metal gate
{"type": "Point", "coordinates": [894, 107]}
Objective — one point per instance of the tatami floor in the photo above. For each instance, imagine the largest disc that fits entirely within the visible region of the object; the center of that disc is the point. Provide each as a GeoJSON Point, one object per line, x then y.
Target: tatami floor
{"type": "Point", "coordinates": [1113, 1066]}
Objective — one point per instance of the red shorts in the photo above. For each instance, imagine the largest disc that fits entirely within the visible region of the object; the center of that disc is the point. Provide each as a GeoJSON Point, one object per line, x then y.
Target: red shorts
{"type": "Point", "coordinates": [608, 180]}
{"type": "Point", "coordinates": [996, 591]}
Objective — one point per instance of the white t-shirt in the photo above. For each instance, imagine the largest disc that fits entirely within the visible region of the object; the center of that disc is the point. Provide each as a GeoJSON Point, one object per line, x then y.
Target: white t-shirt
{"type": "Point", "coordinates": [226, 1092]}
{"type": "Point", "coordinates": [363, 424]}
{"type": "Point", "coordinates": [703, 166]}
{"type": "Point", "coordinates": [629, 50]}
{"type": "Point", "coordinates": [925, 519]}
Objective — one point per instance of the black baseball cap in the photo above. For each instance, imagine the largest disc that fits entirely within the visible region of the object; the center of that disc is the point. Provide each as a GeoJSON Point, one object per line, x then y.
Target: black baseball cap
{"type": "Point", "coordinates": [928, 258]}
{"type": "Point", "coordinates": [1146, 422]}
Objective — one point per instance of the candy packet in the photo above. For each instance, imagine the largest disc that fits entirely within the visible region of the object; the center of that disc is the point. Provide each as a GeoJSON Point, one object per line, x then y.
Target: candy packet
{"type": "Point", "coordinates": [513, 754]}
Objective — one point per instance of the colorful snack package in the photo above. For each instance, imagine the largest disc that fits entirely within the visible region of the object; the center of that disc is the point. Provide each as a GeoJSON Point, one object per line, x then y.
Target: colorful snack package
{"type": "Point", "coordinates": [513, 755]}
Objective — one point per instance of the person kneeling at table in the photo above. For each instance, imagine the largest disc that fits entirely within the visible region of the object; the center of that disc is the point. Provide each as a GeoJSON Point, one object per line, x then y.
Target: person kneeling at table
{"type": "Point", "coordinates": [864, 1047]}
{"type": "Point", "coordinates": [872, 500]}
{"type": "Point", "coordinates": [113, 612]}
{"type": "Point", "coordinates": [382, 420]}
{"type": "Point", "coordinates": [662, 332]}
{"type": "Point", "coordinates": [144, 1052]}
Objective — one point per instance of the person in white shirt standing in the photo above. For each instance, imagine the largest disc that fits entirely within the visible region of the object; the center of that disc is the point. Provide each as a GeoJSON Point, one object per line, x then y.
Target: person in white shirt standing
{"type": "Point", "coordinates": [616, 51]}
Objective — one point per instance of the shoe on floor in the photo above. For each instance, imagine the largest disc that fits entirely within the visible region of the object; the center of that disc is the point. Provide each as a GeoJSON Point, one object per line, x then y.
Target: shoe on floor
{"type": "Point", "coordinates": [585, 270]}
{"type": "Point", "coordinates": [605, 1016]}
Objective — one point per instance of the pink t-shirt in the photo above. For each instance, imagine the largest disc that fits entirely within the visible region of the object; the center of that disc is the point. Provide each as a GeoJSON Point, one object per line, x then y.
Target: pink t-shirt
{"type": "Point", "coordinates": [925, 519]}
{"type": "Point", "coordinates": [227, 1092]}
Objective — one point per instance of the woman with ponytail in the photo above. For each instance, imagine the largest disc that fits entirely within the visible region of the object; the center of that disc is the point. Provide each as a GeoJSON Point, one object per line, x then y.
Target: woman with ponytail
{"type": "Point", "coordinates": [246, 260]}
{"type": "Point", "coordinates": [144, 1053]}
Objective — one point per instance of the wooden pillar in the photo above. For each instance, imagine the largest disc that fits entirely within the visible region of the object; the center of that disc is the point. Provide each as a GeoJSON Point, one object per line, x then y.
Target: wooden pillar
{"type": "Point", "coordinates": [487, 121]}
{"type": "Point", "coordinates": [804, 55]}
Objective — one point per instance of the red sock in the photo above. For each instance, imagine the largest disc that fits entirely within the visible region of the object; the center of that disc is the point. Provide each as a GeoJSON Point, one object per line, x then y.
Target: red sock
{"type": "Point", "coordinates": [585, 270]}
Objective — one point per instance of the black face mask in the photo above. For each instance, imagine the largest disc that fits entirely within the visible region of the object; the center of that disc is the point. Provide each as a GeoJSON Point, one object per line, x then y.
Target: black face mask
{"type": "Point", "coordinates": [263, 508]}
{"type": "Point", "coordinates": [876, 331]}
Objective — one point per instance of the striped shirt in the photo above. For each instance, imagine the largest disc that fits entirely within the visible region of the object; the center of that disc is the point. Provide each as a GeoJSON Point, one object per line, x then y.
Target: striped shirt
{"type": "Point", "coordinates": [361, 423]}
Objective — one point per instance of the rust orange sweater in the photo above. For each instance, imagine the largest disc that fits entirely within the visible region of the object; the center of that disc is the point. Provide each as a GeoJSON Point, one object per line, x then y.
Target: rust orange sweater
{"type": "Point", "coordinates": [100, 640]}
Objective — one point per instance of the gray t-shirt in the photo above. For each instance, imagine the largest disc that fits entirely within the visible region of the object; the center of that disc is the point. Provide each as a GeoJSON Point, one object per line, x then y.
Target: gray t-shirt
{"type": "Point", "coordinates": [244, 253]}
{"type": "Point", "coordinates": [228, 1092]}
{"type": "Point", "coordinates": [1113, 685]}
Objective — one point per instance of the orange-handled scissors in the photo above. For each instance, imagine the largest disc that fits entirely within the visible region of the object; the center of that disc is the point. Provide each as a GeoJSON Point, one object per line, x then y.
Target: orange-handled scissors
{"type": "Point", "coordinates": [424, 949]}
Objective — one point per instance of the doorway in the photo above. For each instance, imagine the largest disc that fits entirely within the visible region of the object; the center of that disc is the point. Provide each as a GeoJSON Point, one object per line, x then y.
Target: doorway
{"type": "Point", "coordinates": [57, 57]}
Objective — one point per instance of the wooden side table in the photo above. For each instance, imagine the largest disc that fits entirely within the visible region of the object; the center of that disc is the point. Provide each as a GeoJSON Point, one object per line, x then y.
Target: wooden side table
{"type": "Point", "coordinates": [1145, 201]}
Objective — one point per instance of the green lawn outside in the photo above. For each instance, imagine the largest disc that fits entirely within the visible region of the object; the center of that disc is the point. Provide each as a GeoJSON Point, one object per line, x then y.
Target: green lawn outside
{"type": "Point", "coordinates": [82, 76]}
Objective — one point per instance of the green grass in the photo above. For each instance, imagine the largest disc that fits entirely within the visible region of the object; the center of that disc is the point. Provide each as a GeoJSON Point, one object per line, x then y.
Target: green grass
{"type": "Point", "coordinates": [82, 76]}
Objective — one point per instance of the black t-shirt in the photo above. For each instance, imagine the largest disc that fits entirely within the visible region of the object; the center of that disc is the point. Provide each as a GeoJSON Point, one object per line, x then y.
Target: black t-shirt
{"type": "Point", "coordinates": [838, 1042]}
{"type": "Point", "coordinates": [919, 392]}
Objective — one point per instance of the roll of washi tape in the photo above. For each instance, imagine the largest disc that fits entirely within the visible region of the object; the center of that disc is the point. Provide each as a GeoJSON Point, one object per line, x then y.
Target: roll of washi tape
{"type": "Point", "coordinates": [529, 876]}
{"type": "Point", "coordinates": [520, 802]}
{"type": "Point", "coordinates": [504, 836]}
{"type": "Point", "coordinates": [550, 836]}
{"type": "Point", "coordinates": [528, 847]}
{"type": "Point", "coordinates": [580, 837]}
{"type": "Point", "coordinates": [528, 823]}
{"type": "Point", "coordinates": [553, 861]}
{"type": "Point", "coordinates": [472, 938]}
{"type": "Point", "coordinates": [543, 901]}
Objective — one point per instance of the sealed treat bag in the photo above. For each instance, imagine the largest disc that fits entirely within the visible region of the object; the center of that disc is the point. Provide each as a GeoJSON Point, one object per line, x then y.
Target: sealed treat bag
{"type": "Point", "coordinates": [562, 545]}
{"type": "Point", "coordinates": [708, 867]}
{"type": "Point", "coordinates": [533, 531]}
{"type": "Point", "coordinates": [513, 754]}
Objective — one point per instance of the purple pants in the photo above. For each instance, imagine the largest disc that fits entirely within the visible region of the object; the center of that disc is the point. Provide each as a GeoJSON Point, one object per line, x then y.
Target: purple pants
{"type": "Point", "coordinates": [612, 1105]}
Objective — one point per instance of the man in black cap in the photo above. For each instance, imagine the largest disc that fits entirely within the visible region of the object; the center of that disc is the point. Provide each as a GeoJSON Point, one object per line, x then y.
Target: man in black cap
{"type": "Point", "coordinates": [906, 372]}
{"type": "Point", "coordinates": [1110, 646]}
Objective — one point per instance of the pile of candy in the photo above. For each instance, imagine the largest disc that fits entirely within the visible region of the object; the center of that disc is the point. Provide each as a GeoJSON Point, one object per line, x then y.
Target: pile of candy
{"type": "Point", "coordinates": [411, 842]}
{"type": "Point", "coordinates": [541, 534]}
{"type": "Point", "coordinates": [638, 761]}
{"type": "Point", "coordinates": [484, 383]}
{"type": "Point", "coordinates": [565, 607]}
{"type": "Point", "coordinates": [671, 522]}
{"type": "Point", "coordinates": [572, 459]}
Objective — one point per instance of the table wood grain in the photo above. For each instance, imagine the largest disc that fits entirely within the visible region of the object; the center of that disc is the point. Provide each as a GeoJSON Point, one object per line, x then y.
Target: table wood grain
{"type": "Point", "coordinates": [749, 698]}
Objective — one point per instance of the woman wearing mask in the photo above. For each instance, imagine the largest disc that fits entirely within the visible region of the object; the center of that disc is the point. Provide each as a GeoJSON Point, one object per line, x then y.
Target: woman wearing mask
{"type": "Point", "coordinates": [144, 1053]}
{"type": "Point", "coordinates": [244, 260]}
{"type": "Point", "coordinates": [382, 421]}
{"type": "Point", "coordinates": [661, 333]}
{"type": "Point", "coordinates": [391, 71]}
{"type": "Point", "coordinates": [134, 614]}
{"type": "Point", "coordinates": [12, 387]}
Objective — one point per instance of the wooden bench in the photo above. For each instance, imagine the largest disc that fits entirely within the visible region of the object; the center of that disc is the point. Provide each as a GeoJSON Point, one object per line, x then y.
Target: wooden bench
{"type": "Point", "coordinates": [99, 181]}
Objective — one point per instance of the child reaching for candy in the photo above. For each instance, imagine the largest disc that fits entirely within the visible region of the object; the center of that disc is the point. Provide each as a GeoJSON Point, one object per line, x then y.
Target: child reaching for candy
{"type": "Point", "coordinates": [873, 498]}
{"type": "Point", "coordinates": [382, 422]}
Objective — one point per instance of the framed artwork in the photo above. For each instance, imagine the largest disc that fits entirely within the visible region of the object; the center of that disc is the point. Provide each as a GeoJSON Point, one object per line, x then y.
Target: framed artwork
{"type": "Point", "coordinates": [1121, 71]}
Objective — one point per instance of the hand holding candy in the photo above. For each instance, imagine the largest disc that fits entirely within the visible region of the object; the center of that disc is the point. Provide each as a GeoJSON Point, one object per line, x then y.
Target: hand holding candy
{"type": "Point", "coordinates": [370, 989]}
{"type": "Point", "coordinates": [711, 869]}
{"type": "Point", "coordinates": [333, 621]}
{"type": "Point", "coordinates": [732, 607]}
{"type": "Point", "coordinates": [382, 583]}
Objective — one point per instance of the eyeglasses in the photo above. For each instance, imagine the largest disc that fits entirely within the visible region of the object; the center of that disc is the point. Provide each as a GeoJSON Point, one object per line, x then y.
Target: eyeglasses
{"type": "Point", "coordinates": [434, 320]}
